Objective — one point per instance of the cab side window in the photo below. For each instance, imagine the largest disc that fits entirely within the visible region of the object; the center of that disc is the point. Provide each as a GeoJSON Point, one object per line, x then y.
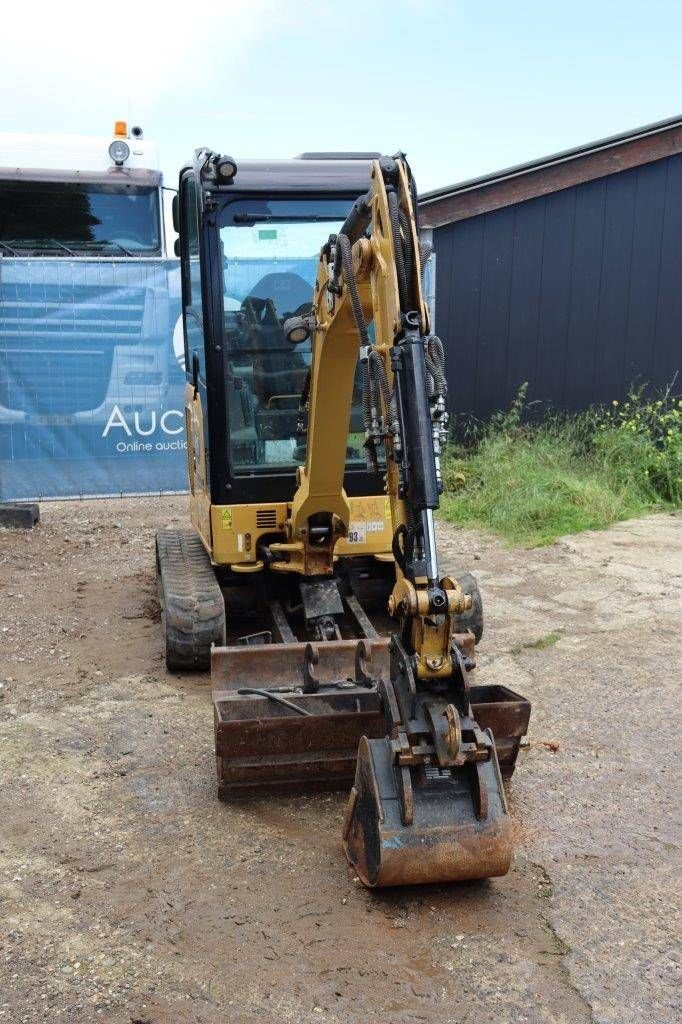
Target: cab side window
{"type": "Point", "coordinates": [191, 271]}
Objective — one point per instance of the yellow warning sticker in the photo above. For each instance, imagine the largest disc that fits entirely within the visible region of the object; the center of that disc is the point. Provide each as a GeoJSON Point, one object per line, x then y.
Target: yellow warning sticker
{"type": "Point", "coordinates": [226, 519]}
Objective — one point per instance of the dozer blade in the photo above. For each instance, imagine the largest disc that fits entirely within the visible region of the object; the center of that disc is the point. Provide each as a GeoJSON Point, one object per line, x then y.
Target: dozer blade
{"type": "Point", "coordinates": [406, 826]}
{"type": "Point", "coordinates": [289, 717]}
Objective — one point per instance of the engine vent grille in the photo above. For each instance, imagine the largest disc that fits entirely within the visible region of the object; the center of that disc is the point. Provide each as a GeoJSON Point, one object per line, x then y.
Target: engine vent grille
{"type": "Point", "coordinates": [266, 518]}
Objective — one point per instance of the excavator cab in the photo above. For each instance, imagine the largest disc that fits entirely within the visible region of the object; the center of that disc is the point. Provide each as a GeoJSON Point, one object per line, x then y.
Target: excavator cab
{"type": "Point", "coordinates": [315, 414]}
{"type": "Point", "coordinates": [249, 252]}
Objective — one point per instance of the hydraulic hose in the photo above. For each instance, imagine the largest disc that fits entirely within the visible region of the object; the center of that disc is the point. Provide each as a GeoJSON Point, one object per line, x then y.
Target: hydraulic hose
{"type": "Point", "coordinates": [366, 396]}
{"type": "Point", "coordinates": [398, 250]}
{"type": "Point", "coordinates": [435, 363]}
{"type": "Point", "coordinates": [408, 251]}
{"type": "Point", "coordinates": [425, 250]}
{"type": "Point", "coordinates": [367, 402]}
{"type": "Point", "coordinates": [435, 367]}
{"type": "Point", "coordinates": [343, 243]}
{"type": "Point", "coordinates": [379, 370]}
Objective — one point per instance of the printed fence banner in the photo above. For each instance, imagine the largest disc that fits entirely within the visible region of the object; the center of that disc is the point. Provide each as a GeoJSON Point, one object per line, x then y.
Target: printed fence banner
{"type": "Point", "coordinates": [91, 377]}
{"type": "Point", "coordinates": [92, 371]}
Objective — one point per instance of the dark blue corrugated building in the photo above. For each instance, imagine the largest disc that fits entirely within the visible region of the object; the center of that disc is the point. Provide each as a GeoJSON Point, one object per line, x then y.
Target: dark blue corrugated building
{"type": "Point", "coordinates": [565, 273]}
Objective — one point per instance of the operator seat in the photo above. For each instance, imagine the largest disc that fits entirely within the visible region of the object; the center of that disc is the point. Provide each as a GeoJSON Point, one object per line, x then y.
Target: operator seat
{"type": "Point", "coordinates": [287, 291]}
{"type": "Point", "coordinates": [279, 370]}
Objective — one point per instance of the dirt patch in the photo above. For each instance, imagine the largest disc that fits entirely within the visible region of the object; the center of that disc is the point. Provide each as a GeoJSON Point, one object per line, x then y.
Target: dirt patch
{"type": "Point", "coordinates": [129, 893]}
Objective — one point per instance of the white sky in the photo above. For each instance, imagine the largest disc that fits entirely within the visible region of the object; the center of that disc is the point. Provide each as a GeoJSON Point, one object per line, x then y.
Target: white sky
{"type": "Point", "coordinates": [462, 87]}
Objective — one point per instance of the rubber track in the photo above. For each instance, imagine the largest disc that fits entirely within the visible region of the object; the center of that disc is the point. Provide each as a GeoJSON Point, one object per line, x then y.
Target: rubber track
{"type": "Point", "coordinates": [192, 605]}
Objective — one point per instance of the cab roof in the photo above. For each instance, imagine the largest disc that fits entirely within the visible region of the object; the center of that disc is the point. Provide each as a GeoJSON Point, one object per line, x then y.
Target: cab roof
{"type": "Point", "coordinates": [314, 173]}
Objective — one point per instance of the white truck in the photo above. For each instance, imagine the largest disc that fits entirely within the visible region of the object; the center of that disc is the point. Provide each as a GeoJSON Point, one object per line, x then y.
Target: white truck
{"type": "Point", "coordinates": [86, 317]}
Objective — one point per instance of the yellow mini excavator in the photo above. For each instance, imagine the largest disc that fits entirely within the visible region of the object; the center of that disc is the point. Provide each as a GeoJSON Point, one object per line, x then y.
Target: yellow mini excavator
{"type": "Point", "coordinates": [315, 414]}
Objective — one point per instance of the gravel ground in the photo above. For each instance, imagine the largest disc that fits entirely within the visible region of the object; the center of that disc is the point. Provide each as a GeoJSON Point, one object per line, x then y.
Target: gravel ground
{"type": "Point", "coordinates": [129, 894]}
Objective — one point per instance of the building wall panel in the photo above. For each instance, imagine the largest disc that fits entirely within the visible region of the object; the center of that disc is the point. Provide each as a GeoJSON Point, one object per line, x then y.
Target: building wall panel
{"type": "Point", "coordinates": [578, 292]}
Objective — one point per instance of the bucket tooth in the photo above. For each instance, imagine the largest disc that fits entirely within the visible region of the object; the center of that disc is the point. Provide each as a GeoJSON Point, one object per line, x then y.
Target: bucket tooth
{"type": "Point", "coordinates": [430, 830]}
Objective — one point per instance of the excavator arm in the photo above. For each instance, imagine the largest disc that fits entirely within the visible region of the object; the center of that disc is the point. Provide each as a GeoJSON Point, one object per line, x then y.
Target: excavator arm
{"type": "Point", "coordinates": [428, 802]}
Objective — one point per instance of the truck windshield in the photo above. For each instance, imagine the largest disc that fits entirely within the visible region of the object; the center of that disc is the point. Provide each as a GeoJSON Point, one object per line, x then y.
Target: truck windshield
{"type": "Point", "coordinates": [61, 219]}
{"type": "Point", "coordinates": [270, 256]}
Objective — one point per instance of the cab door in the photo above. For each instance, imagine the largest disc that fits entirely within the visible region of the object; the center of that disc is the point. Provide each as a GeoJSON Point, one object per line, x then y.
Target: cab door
{"type": "Point", "coordinates": [196, 411]}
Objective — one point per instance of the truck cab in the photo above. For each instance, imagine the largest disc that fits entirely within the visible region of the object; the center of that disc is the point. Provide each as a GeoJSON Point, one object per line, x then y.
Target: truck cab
{"type": "Point", "coordinates": [86, 325]}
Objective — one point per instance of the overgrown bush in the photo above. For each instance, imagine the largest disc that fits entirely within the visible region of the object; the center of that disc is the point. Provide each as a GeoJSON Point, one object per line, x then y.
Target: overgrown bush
{"type": "Point", "coordinates": [534, 482]}
{"type": "Point", "coordinates": [640, 443]}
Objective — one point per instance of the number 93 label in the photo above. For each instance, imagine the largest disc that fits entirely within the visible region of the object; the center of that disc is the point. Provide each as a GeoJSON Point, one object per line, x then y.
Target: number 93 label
{"type": "Point", "coordinates": [357, 533]}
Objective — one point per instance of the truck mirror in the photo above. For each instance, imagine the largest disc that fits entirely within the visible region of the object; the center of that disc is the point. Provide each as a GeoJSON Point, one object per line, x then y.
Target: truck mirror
{"type": "Point", "coordinates": [175, 208]}
{"type": "Point", "coordinates": [176, 246]}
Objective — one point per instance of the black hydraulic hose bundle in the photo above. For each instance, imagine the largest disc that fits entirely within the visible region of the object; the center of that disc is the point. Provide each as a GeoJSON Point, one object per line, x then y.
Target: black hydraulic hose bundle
{"type": "Point", "coordinates": [343, 243]}
{"type": "Point", "coordinates": [425, 250]}
{"type": "Point", "coordinates": [435, 364]}
{"type": "Point", "coordinates": [394, 214]}
{"type": "Point", "coordinates": [408, 248]}
{"type": "Point", "coordinates": [366, 396]}
{"type": "Point", "coordinates": [379, 371]}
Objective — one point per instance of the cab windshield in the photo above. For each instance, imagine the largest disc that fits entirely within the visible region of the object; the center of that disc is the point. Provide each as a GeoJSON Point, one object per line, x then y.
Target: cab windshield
{"type": "Point", "coordinates": [66, 219]}
{"type": "Point", "coordinates": [270, 256]}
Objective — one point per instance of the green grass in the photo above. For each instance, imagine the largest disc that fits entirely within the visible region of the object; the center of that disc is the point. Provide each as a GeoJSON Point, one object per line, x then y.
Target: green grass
{"type": "Point", "coordinates": [538, 645]}
{"type": "Point", "coordinates": [532, 484]}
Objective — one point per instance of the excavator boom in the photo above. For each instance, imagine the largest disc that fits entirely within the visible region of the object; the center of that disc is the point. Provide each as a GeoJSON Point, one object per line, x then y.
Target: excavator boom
{"type": "Point", "coordinates": [428, 802]}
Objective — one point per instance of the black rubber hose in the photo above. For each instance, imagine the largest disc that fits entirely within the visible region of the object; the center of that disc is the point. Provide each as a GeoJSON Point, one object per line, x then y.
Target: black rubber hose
{"type": "Point", "coordinates": [425, 250]}
{"type": "Point", "coordinates": [377, 367]}
{"type": "Point", "coordinates": [398, 250]}
{"type": "Point", "coordinates": [408, 252]}
{"type": "Point", "coordinates": [435, 362]}
{"type": "Point", "coordinates": [366, 396]}
{"type": "Point", "coordinates": [434, 374]}
{"type": "Point", "coordinates": [400, 549]}
{"type": "Point", "coordinates": [347, 263]}
{"type": "Point", "coordinates": [437, 344]}
{"type": "Point", "coordinates": [430, 381]}
{"type": "Point", "coordinates": [374, 387]}
{"type": "Point", "coordinates": [367, 402]}
{"type": "Point", "coordinates": [248, 690]}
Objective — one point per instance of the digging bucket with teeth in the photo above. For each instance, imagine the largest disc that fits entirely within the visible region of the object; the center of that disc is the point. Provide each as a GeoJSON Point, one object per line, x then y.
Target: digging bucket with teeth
{"type": "Point", "coordinates": [428, 802]}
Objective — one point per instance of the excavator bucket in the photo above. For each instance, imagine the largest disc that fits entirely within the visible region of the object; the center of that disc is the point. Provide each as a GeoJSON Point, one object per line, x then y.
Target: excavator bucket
{"type": "Point", "coordinates": [428, 802]}
{"type": "Point", "coordinates": [289, 717]}
{"type": "Point", "coordinates": [401, 830]}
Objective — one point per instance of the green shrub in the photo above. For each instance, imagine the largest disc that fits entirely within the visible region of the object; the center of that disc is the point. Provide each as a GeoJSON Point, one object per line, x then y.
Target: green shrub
{"type": "Point", "coordinates": [641, 444]}
{"type": "Point", "coordinates": [533, 483]}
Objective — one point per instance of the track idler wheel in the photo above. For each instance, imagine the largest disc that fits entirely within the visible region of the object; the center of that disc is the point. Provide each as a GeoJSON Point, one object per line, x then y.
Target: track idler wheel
{"type": "Point", "coordinates": [406, 825]}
